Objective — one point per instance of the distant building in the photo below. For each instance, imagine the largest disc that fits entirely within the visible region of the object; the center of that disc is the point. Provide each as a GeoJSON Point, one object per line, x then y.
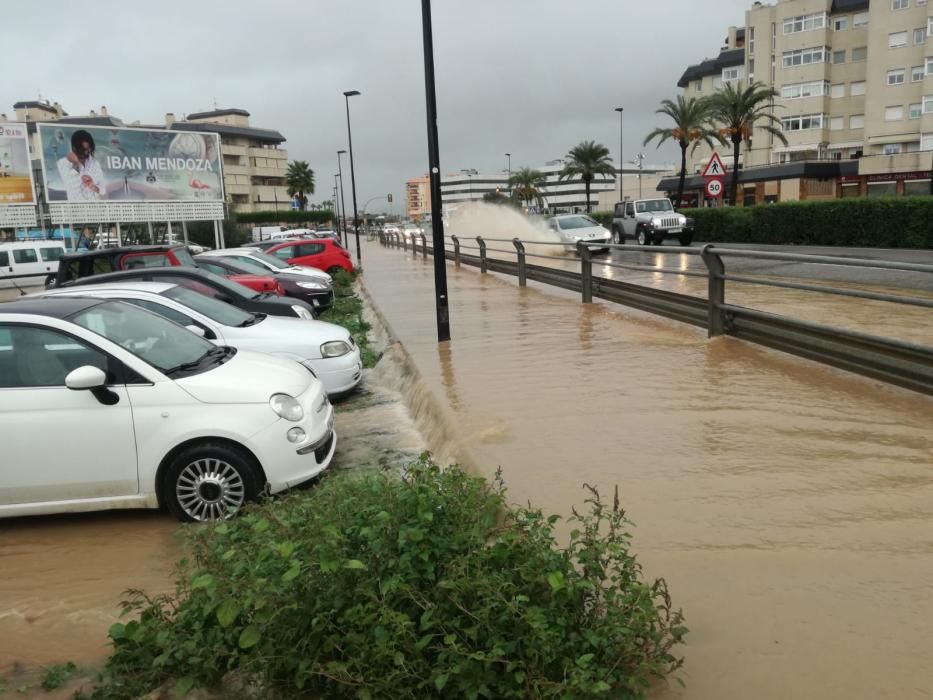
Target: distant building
{"type": "Point", "coordinates": [418, 198]}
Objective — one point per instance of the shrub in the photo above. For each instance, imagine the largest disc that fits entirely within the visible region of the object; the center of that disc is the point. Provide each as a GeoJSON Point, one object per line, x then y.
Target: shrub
{"type": "Point", "coordinates": [430, 585]}
{"type": "Point", "coordinates": [347, 311]}
{"type": "Point", "coordinates": [287, 216]}
{"type": "Point", "coordinates": [887, 222]}
{"type": "Point", "coordinates": [603, 217]}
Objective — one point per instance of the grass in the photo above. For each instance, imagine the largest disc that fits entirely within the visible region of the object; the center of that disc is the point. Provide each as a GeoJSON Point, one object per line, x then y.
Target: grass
{"type": "Point", "coordinates": [347, 311]}
{"type": "Point", "coordinates": [56, 676]}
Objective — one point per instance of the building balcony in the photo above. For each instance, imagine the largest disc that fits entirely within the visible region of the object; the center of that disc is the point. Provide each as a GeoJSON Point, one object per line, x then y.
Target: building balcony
{"type": "Point", "coordinates": [237, 189]}
{"type": "Point", "coordinates": [277, 153]}
{"type": "Point", "coordinates": [268, 172]}
{"type": "Point", "coordinates": [231, 150]}
{"type": "Point", "coordinates": [918, 161]}
{"type": "Point", "coordinates": [235, 170]}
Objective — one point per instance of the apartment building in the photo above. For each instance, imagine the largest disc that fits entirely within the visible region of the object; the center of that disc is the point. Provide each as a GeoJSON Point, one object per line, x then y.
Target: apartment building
{"type": "Point", "coordinates": [855, 98]}
{"type": "Point", "coordinates": [418, 198]}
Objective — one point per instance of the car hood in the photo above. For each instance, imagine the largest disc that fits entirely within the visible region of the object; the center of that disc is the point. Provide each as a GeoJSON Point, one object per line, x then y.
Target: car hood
{"type": "Point", "coordinates": [281, 334]}
{"type": "Point", "coordinates": [584, 233]}
{"type": "Point", "coordinates": [305, 272]}
{"type": "Point", "coordinates": [248, 377]}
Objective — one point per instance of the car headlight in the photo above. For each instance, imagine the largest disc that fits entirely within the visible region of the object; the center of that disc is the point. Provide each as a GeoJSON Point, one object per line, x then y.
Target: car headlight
{"type": "Point", "coordinates": [287, 407]}
{"type": "Point", "coordinates": [313, 285]}
{"type": "Point", "coordinates": [335, 348]}
{"type": "Point", "coordinates": [302, 312]}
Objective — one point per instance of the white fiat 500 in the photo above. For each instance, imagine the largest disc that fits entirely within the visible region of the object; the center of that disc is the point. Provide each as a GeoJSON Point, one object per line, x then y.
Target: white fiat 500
{"type": "Point", "coordinates": [328, 349]}
{"type": "Point", "coordinates": [105, 405]}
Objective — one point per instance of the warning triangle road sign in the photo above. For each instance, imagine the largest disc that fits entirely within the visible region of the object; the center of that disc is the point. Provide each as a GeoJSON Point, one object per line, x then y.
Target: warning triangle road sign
{"type": "Point", "coordinates": [715, 167]}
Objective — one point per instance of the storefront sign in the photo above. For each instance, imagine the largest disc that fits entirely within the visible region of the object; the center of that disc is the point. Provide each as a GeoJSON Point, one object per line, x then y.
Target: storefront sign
{"type": "Point", "coordinates": [15, 171]}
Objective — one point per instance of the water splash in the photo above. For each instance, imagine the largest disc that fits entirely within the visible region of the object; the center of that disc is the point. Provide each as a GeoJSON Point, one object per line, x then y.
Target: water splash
{"type": "Point", "coordinates": [499, 221]}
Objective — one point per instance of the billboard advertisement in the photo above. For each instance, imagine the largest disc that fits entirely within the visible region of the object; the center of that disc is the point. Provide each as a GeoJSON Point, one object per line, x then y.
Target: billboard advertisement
{"type": "Point", "coordinates": [102, 163]}
{"type": "Point", "coordinates": [15, 170]}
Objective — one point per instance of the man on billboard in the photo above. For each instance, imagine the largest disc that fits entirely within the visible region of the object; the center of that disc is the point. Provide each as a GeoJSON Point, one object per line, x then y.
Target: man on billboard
{"type": "Point", "coordinates": [80, 172]}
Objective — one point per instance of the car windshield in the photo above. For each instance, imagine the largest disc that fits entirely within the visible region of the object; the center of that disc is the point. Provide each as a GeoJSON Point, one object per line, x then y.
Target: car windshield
{"type": "Point", "coordinates": [219, 311]}
{"type": "Point", "coordinates": [184, 257]}
{"type": "Point", "coordinates": [653, 205]}
{"type": "Point", "coordinates": [572, 222]}
{"type": "Point", "coordinates": [162, 343]}
{"type": "Point", "coordinates": [233, 288]}
{"type": "Point", "coordinates": [270, 260]}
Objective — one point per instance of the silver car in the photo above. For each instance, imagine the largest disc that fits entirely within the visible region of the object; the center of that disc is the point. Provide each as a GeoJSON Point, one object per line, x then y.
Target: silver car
{"type": "Point", "coordinates": [573, 228]}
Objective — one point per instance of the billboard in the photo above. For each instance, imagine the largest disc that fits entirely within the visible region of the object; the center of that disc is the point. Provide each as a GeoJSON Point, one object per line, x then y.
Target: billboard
{"type": "Point", "coordinates": [106, 164]}
{"type": "Point", "coordinates": [15, 169]}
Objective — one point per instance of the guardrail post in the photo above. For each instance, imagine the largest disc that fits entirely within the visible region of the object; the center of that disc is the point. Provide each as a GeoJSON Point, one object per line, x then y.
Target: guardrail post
{"type": "Point", "coordinates": [716, 294]}
{"type": "Point", "coordinates": [482, 254]}
{"type": "Point", "coordinates": [456, 250]}
{"type": "Point", "coordinates": [424, 246]}
{"type": "Point", "coordinates": [586, 271]}
{"type": "Point", "coordinates": [404, 242]}
{"type": "Point", "coordinates": [414, 247]}
{"type": "Point", "coordinates": [520, 252]}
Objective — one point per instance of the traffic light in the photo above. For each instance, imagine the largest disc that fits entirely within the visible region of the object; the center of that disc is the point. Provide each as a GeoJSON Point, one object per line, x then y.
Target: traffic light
{"type": "Point", "coordinates": [389, 198]}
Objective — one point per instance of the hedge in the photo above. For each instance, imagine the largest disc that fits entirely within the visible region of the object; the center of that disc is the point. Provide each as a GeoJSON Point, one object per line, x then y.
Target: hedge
{"type": "Point", "coordinates": [286, 216]}
{"type": "Point", "coordinates": [883, 222]}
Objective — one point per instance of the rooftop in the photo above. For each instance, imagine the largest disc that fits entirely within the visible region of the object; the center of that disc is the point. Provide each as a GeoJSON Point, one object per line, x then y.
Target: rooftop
{"type": "Point", "coordinates": [219, 113]}
{"type": "Point", "coordinates": [727, 58]}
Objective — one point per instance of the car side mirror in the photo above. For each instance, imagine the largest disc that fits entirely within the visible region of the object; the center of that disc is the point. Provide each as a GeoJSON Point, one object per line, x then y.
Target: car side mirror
{"type": "Point", "coordinates": [197, 330]}
{"type": "Point", "coordinates": [86, 377]}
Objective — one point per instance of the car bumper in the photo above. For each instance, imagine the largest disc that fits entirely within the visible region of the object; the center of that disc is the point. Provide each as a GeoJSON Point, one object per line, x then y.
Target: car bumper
{"type": "Point", "coordinates": [339, 374]}
{"type": "Point", "coordinates": [288, 464]}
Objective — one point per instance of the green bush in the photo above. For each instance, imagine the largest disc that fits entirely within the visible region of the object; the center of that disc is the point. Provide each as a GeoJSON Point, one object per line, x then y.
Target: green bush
{"type": "Point", "coordinates": [287, 216]}
{"type": "Point", "coordinates": [884, 222]}
{"type": "Point", "coordinates": [427, 586]}
{"type": "Point", "coordinates": [347, 311]}
{"type": "Point", "coordinates": [603, 217]}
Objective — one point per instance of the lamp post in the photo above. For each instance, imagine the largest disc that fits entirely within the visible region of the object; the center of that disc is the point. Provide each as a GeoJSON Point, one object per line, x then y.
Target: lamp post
{"type": "Point", "coordinates": [343, 199]}
{"type": "Point", "coordinates": [441, 300]}
{"type": "Point", "coordinates": [621, 160]}
{"type": "Point", "coordinates": [337, 204]}
{"type": "Point", "coordinates": [639, 159]}
{"type": "Point", "coordinates": [342, 211]}
{"type": "Point", "coordinates": [509, 156]}
{"type": "Point", "coordinates": [356, 224]}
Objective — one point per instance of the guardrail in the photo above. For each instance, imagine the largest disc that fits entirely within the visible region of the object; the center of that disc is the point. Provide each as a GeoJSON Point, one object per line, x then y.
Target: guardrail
{"type": "Point", "coordinates": [891, 360]}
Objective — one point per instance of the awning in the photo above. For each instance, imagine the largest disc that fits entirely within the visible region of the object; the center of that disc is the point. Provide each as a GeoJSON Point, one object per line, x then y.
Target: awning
{"type": "Point", "coordinates": [799, 148]}
{"type": "Point", "coordinates": [845, 144]}
{"type": "Point", "coordinates": [895, 138]}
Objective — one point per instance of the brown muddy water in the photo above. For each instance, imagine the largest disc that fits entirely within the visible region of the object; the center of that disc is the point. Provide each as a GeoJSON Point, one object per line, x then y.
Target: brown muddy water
{"type": "Point", "coordinates": [789, 505]}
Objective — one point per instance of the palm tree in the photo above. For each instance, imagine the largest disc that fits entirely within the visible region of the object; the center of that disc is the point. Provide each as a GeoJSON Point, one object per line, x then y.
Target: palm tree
{"type": "Point", "coordinates": [738, 110]}
{"type": "Point", "coordinates": [587, 160]}
{"type": "Point", "coordinates": [691, 125]}
{"type": "Point", "coordinates": [525, 184]}
{"type": "Point", "coordinates": [300, 181]}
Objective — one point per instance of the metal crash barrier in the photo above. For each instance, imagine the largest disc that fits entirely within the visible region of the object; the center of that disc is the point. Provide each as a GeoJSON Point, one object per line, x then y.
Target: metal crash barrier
{"type": "Point", "coordinates": [890, 360]}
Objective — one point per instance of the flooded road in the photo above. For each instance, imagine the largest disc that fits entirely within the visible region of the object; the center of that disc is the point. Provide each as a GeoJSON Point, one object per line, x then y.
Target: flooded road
{"type": "Point", "coordinates": [789, 505]}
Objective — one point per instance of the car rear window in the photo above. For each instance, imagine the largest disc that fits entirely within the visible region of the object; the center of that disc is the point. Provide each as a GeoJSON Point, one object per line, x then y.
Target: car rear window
{"type": "Point", "coordinates": [183, 256]}
{"type": "Point", "coordinates": [134, 262]}
{"type": "Point", "coordinates": [25, 255]}
{"type": "Point", "coordinates": [51, 254]}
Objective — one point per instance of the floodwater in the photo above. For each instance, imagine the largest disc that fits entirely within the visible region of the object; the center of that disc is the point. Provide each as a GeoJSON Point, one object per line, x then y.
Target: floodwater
{"type": "Point", "coordinates": [789, 505]}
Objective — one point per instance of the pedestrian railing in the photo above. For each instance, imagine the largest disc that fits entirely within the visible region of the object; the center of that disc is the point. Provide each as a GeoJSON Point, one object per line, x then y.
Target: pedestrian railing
{"type": "Point", "coordinates": [891, 360]}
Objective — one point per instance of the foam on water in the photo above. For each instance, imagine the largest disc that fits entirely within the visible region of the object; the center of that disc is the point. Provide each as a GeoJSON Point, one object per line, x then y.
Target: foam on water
{"type": "Point", "coordinates": [498, 221]}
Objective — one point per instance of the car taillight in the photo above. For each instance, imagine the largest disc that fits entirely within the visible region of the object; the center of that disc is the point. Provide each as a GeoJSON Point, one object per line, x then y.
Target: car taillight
{"type": "Point", "coordinates": [279, 289]}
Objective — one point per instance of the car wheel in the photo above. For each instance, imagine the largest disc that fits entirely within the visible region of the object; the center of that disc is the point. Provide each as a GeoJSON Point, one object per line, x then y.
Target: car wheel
{"type": "Point", "coordinates": [642, 238]}
{"type": "Point", "coordinates": [209, 481]}
{"type": "Point", "coordinates": [686, 241]}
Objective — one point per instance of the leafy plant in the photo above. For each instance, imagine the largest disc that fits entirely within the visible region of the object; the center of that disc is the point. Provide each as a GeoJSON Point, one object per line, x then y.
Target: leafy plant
{"type": "Point", "coordinates": [56, 676]}
{"type": "Point", "coordinates": [426, 586]}
{"type": "Point", "coordinates": [527, 186]}
{"type": "Point", "coordinates": [286, 216]}
{"type": "Point", "coordinates": [347, 311]}
{"type": "Point", "coordinates": [300, 180]}
{"type": "Point", "coordinates": [587, 160]}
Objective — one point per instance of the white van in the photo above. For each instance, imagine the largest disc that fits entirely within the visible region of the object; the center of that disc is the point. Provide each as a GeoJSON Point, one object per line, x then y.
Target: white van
{"type": "Point", "coordinates": [265, 233]}
{"type": "Point", "coordinates": [29, 263]}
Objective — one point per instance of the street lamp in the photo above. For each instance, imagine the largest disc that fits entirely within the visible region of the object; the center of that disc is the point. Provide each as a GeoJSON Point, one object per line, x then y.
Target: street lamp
{"type": "Point", "coordinates": [356, 224]}
{"type": "Point", "coordinates": [337, 204]}
{"type": "Point", "coordinates": [509, 156]}
{"type": "Point", "coordinates": [621, 160]}
{"type": "Point", "coordinates": [639, 159]}
{"type": "Point", "coordinates": [343, 199]}
{"type": "Point", "coordinates": [470, 172]}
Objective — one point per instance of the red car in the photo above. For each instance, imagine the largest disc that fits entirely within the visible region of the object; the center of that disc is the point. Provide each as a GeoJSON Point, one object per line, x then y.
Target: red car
{"type": "Point", "coordinates": [322, 253]}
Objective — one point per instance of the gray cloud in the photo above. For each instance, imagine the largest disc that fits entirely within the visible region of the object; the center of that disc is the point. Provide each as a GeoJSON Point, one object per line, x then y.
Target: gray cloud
{"type": "Point", "coordinates": [531, 77]}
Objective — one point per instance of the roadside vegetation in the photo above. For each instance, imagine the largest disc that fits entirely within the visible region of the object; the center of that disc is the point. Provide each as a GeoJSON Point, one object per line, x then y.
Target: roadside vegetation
{"type": "Point", "coordinates": [347, 311]}
{"type": "Point", "coordinates": [383, 586]}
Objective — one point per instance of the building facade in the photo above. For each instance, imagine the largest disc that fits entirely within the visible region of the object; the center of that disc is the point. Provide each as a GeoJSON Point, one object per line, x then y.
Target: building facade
{"type": "Point", "coordinates": [418, 198]}
{"type": "Point", "coordinates": [855, 98]}
{"type": "Point", "coordinates": [254, 162]}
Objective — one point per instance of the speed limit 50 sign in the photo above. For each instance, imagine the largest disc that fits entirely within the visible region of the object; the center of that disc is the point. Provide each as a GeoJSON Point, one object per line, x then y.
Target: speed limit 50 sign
{"type": "Point", "coordinates": [714, 187]}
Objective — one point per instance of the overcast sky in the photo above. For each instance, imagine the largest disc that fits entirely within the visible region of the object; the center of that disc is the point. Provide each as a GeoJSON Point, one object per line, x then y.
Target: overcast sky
{"type": "Point", "coordinates": [530, 77]}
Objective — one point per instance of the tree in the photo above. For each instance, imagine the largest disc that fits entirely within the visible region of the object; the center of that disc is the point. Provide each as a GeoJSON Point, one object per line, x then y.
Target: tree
{"type": "Point", "coordinates": [525, 184]}
{"type": "Point", "coordinates": [300, 181]}
{"type": "Point", "coordinates": [691, 125]}
{"type": "Point", "coordinates": [738, 111]}
{"type": "Point", "coordinates": [587, 160]}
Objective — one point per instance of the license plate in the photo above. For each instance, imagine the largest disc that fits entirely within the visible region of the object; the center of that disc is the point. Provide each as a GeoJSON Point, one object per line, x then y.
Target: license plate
{"type": "Point", "coordinates": [675, 230]}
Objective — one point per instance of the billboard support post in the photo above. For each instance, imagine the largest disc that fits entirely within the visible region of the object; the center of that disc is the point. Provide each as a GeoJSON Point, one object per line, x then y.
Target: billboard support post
{"type": "Point", "coordinates": [149, 225]}
{"type": "Point", "coordinates": [119, 237]}
{"type": "Point", "coordinates": [184, 231]}
{"type": "Point", "coordinates": [168, 231]}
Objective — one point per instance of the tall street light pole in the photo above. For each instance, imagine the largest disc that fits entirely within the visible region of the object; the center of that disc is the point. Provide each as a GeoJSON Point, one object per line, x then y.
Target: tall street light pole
{"type": "Point", "coordinates": [621, 161]}
{"type": "Point", "coordinates": [337, 204]}
{"type": "Point", "coordinates": [441, 301]}
{"type": "Point", "coordinates": [470, 172]}
{"type": "Point", "coordinates": [343, 198]}
{"type": "Point", "coordinates": [356, 222]}
{"type": "Point", "coordinates": [343, 209]}
{"type": "Point", "coordinates": [509, 156]}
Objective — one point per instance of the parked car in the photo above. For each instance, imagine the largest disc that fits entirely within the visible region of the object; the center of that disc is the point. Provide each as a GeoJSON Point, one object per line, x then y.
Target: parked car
{"type": "Point", "coordinates": [262, 245]}
{"type": "Point", "coordinates": [326, 233]}
{"type": "Point", "coordinates": [210, 284]}
{"type": "Point", "coordinates": [322, 253]}
{"type": "Point", "coordinates": [328, 349]}
{"type": "Point", "coordinates": [182, 423]}
{"type": "Point", "coordinates": [410, 231]}
{"type": "Point", "coordinates": [261, 233]}
{"type": "Point", "coordinates": [28, 263]}
{"type": "Point", "coordinates": [650, 222]}
{"type": "Point", "coordinates": [573, 228]}
{"type": "Point", "coordinates": [271, 263]}
{"type": "Point", "coordinates": [76, 265]}
{"type": "Point", "coordinates": [391, 228]}
{"type": "Point", "coordinates": [315, 291]}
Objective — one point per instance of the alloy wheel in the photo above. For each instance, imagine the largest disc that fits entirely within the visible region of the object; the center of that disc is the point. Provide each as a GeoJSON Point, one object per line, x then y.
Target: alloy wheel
{"type": "Point", "coordinates": [210, 489]}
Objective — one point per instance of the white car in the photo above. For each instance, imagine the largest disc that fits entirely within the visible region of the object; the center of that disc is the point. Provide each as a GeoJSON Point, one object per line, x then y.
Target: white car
{"type": "Point", "coordinates": [412, 231]}
{"type": "Point", "coordinates": [270, 263]}
{"type": "Point", "coordinates": [391, 228]}
{"type": "Point", "coordinates": [105, 405]}
{"type": "Point", "coordinates": [326, 348]}
{"type": "Point", "coordinates": [573, 228]}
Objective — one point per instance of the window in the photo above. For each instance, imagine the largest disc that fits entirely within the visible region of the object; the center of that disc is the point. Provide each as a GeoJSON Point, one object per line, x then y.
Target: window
{"type": "Point", "coordinates": [929, 70]}
{"type": "Point", "coordinates": [804, 23]}
{"type": "Point", "coordinates": [857, 121]}
{"type": "Point", "coordinates": [897, 39]}
{"type": "Point", "coordinates": [928, 104]}
{"type": "Point", "coordinates": [840, 24]}
{"type": "Point", "coordinates": [717, 82]}
{"type": "Point", "coordinates": [837, 123]}
{"type": "Point", "coordinates": [891, 149]}
{"type": "Point", "coordinates": [133, 262]}
{"type": "Point", "coordinates": [920, 35]}
{"type": "Point", "coordinates": [751, 68]}
{"type": "Point", "coordinates": [311, 249]}
{"type": "Point", "coordinates": [4, 259]}
{"type": "Point", "coordinates": [164, 311]}
{"type": "Point", "coordinates": [698, 85]}
{"type": "Point", "coordinates": [926, 142]}
{"type": "Point", "coordinates": [216, 269]}
{"type": "Point", "coordinates": [798, 90]}
{"type": "Point", "coordinates": [859, 54]}
{"type": "Point", "coordinates": [930, 26]}
{"type": "Point", "coordinates": [730, 74]}
{"type": "Point", "coordinates": [33, 356]}
{"type": "Point", "coordinates": [914, 111]}
{"type": "Point", "coordinates": [896, 77]}
{"type": "Point", "coordinates": [25, 255]}
{"type": "Point", "coordinates": [803, 57]}
{"type": "Point", "coordinates": [894, 114]}
{"type": "Point", "coordinates": [804, 121]}
{"type": "Point", "coordinates": [860, 20]}
{"type": "Point", "coordinates": [916, 74]}
{"type": "Point", "coordinates": [285, 253]}
{"type": "Point", "coordinates": [51, 254]}
{"type": "Point", "coordinates": [839, 56]}
{"type": "Point", "coordinates": [837, 91]}
{"type": "Point", "coordinates": [751, 40]}
{"type": "Point", "coordinates": [857, 88]}
{"type": "Point", "coordinates": [912, 147]}
{"type": "Point", "coordinates": [900, 4]}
